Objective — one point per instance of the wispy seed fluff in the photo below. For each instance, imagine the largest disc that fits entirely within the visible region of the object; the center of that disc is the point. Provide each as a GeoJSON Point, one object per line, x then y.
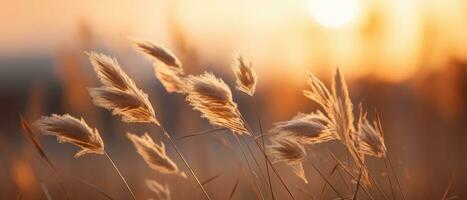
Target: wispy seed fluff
{"type": "Point", "coordinates": [72, 130]}
{"type": "Point", "coordinates": [339, 110]}
{"type": "Point", "coordinates": [160, 53]}
{"type": "Point", "coordinates": [162, 191]}
{"type": "Point", "coordinates": [119, 92]}
{"type": "Point", "coordinates": [371, 138]}
{"type": "Point", "coordinates": [288, 150]}
{"type": "Point", "coordinates": [246, 76]}
{"type": "Point", "coordinates": [172, 79]}
{"type": "Point", "coordinates": [306, 128]}
{"type": "Point", "coordinates": [213, 98]}
{"type": "Point", "coordinates": [154, 154]}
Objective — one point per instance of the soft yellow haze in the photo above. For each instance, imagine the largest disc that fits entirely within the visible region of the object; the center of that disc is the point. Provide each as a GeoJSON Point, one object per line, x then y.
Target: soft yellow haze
{"type": "Point", "coordinates": [389, 39]}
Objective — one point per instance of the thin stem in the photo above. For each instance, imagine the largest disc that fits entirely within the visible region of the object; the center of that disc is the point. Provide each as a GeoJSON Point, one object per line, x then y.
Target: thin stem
{"type": "Point", "coordinates": [202, 133]}
{"type": "Point", "coordinates": [95, 188]}
{"type": "Point", "coordinates": [389, 179]}
{"type": "Point", "coordinates": [242, 170]}
{"type": "Point", "coordinates": [370, 175]}
{"type": "Point", "coordinates": [325, 183]}
{"type": "Point", "coordinates": [358, 184]}
{"type": "Point", "coordinates": [395, 175]}
{"type": "Point", "coordinates": [268, 160]}
{"type": "Point", "coordinates": [250, 130]}
{"type": "Point", "coordinates": [346, 183]}
{"type": "Point", "coordinates": [120, 174]}
{"type": "Point", "coordinates": [248, 163]}
{"type": "Point", "coordinates": [325, 179]}
{"type": "Point", "coordinates": [350, 173]}
{"type": "Point", "coordinates": [254, 157]}
{"type": "Point", "coordinates": [262, 141]}
{"type": "Point", "coordinates": [184, 160]}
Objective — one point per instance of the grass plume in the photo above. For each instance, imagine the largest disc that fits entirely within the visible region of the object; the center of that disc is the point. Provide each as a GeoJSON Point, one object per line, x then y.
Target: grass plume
{"type": "Point", "coordinates": [213, 98]}
{"type": "Point", "coordinates": [74, 131]}
{"type": "Point", "coordinates": [160, 53]}
{"type": "Point", "coordinates": [118, 92]}
{"type": "Point", "coordinates": [154, 154]}
{"type": "Point", "coordinates": [245, 75]}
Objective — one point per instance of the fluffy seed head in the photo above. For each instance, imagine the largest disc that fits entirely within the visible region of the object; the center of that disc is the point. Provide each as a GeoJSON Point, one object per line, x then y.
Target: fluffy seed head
{"type": "Point", "coordinates": [162, 191]}
{"type": "Point", "coordinates": [154, 154]}
{"type": "Point", "coordinates": [339, 110]}
{"type": "Point", "coordinates": [213, 98]}
{"type": "Point", "coordinates": [246, 76]}
{"type": "Point", "coordinates": [288, 150]}
{"type": "Point", "coordinates": [171, 79]}
{"type": "Point", "coordinates": [371, 138]}
{"type": "Point", "coordinates": [307, 128]}
{"type": "Point", "coordinates": [118, 92]}
{"type": "Point", "coordinates": [343, 114]}
{"type": "Point", "coordinates": [74, 131]}
{"type": "Point", "coordinates": [160, 53]}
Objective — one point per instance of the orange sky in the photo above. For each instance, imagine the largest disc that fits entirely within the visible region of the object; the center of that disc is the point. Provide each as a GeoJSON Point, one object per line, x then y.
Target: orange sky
{"type": "Point", "coordinates": [391, 39]}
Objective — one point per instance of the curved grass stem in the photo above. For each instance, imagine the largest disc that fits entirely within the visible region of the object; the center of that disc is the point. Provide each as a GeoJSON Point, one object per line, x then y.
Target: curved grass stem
{"type": "Point", "coordinates": [120, 174]}
{"type": "Point", "coordinates": [172, 142]}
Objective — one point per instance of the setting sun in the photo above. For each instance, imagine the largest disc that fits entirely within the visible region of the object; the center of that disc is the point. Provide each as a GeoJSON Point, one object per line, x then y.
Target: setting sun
{"type": "Point", "coordinates": [334, 13]}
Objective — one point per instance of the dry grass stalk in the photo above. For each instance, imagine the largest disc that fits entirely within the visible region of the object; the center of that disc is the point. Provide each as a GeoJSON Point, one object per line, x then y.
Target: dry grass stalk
{"type": "Point", "coordinates": [286, 149]}
{"type": "Point", "coordinates": [27, 130]}
{"type": "Point", "coordinates": [246, 76]}
{"type": "Point", "coordinates": [74, 131]}
{"type": "Point", "coordinates": [162, 191]}
{"type": "Point", "coordinates": [171, 79]}
{"type": "Point", "coordinates": [306, 128]}
{"type": "Point", "coordinates": [119, 93]}
{"type": "Point", "coordinates": [154, 154]}
{"type": "Point", "coordinates": [160, 53]}
{"type": "Point", "coordinates": [371, 138]}
{"type": "Point", "coordinates": [339, 110]}
{"type": "Point", "coordinates": [69, 129]}
{"type": "Point", "coordinates": [343, 114]}
{"type": "Point", "coordinates": [213, 98]}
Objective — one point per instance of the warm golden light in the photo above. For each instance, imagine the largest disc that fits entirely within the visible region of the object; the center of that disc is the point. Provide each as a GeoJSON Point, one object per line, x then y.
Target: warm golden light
{"type": "Point", "coordinates": [334, 13]}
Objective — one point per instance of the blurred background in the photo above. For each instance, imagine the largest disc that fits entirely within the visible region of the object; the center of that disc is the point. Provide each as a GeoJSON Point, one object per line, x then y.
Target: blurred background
{"type": "Point", "coordinates": [406, 58]}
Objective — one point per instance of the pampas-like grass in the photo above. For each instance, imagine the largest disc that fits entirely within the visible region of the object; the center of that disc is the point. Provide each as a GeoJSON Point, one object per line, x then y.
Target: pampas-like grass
{"type": "Point", "coordinates": [154, 154]}
{"type": "Point", "coordinates": [119, 93]}
{"type": "Point", "coordinates": [162, 191]}
{"type": "Point", "coordinates": [213, 98]}
{"type": "Point", "coordinates": [286, 149]}
{"type": "Point", "coordinates": [343, 114]}
{"type": "Point", "coordinates": [371, 138]}
{"type": "Point", "coordinates": [246, 76]}
{"type": "Point", "coordinates": [160, 53]}
{"type": "Point", "coordinates": [72, 130]}
{"type": "Point", "coordinates": [339, 110]}
{"type": "Point", "coordinates": [306, 128]}
{"type": "Point", "coordinates": [171, 79]}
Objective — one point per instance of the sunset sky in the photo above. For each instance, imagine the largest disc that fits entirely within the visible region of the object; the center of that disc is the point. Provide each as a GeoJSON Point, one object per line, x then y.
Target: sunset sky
{"type": "Point", "coordinates": [388, 39]}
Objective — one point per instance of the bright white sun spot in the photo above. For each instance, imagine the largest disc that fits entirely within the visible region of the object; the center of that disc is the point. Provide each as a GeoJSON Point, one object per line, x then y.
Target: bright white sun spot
{"type": "Point", "coordinates": [334, 13]}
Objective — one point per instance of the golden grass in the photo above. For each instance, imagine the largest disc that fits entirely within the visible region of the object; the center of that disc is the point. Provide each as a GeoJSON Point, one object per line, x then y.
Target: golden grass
{"type": "Point", "coordinates": [154, 154]}
{"type": "Point", "coordinates": [289, 140]}
{"type": "Point", "coordinates": [72, 130]}
{"type": "Point", "coordinates": [246, 76]}
{"type": "Point", "coordinates": [119, 92]}
{"type": "Point", "coordinates": [213, 98]}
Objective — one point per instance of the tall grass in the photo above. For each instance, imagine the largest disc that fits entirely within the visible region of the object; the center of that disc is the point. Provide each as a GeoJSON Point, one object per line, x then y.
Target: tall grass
{"type": "Point", "coordinates": [287, 141]}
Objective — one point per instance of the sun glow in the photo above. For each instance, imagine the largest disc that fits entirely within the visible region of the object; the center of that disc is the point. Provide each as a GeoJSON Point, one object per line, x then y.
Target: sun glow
{"type": "Point", "coordinates": [334, 13]}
